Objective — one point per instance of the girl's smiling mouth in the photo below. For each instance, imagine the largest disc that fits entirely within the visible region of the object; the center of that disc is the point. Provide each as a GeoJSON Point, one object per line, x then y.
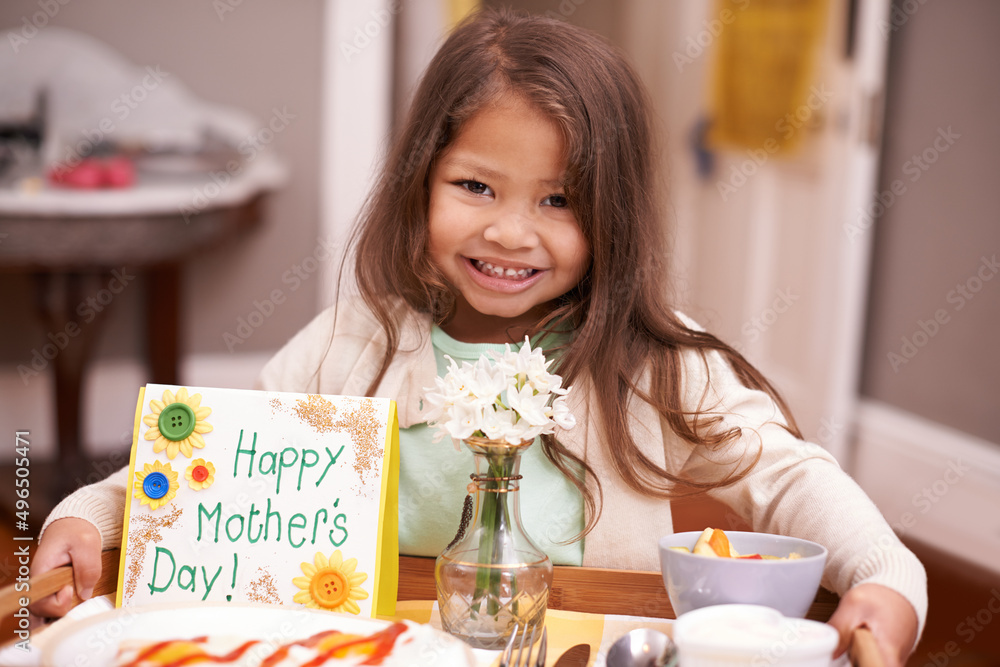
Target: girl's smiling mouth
{"type": "Point", "coordinates": [497, 278]}
{"type": "Point", "coordinates": [506, 273]}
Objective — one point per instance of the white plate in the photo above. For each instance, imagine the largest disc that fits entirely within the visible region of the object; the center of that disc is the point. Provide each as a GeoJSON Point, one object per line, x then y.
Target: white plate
{"type": "Point", "coordinates": [94, 641]}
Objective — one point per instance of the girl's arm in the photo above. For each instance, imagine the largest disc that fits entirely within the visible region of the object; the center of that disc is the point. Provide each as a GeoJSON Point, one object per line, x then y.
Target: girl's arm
{"type": "Point", "coordinates": [798, 488]}
{"type": "Point", "coordinates": [75, 532]}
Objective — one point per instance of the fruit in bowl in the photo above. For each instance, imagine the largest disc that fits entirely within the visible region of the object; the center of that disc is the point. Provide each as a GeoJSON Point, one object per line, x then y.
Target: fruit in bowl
{"type": "Point", "coordinates": [785, 577]}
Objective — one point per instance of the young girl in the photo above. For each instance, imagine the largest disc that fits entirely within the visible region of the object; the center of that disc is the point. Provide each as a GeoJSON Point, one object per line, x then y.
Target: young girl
{"type": "Point", "coordinates": [520, 198]}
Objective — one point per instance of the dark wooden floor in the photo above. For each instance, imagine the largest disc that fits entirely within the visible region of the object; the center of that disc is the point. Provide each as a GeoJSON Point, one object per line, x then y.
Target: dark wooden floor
{"type": "Point", "coordinates": [963, 625]}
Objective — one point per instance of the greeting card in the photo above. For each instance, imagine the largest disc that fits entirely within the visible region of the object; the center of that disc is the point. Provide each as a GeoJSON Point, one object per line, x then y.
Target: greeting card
{"type": "Point", "coordinates": [269, 497]}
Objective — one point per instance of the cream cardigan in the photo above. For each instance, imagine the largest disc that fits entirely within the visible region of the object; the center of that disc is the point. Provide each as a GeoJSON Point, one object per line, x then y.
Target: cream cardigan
{"type": "Point", "coordinates": [796, 488]}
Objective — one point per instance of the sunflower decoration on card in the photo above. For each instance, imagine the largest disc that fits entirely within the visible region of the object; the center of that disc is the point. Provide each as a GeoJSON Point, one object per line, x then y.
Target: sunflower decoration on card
{"type": "Point", "coordinates": [200, 474]}
{"type": "Point", "coordinates": [155, 485]}
{"type": "Point", "coordinates": [176, 423]}
{"type": "Point", "coordinates": [331, 583]}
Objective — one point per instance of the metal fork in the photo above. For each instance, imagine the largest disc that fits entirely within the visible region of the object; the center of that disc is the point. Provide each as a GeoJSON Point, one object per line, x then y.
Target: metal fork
{"type": "Point", "coordinates": [523, 658]}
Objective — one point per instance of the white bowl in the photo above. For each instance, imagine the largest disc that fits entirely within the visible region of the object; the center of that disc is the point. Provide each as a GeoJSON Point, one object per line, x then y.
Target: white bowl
{"type": "Point", "coordinates": [695, 581]}
{"type": "Point", "coordinates": [745, 634]}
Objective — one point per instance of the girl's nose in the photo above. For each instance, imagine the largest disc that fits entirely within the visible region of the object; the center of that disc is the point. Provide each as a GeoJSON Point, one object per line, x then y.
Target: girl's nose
{"type": "Point", "coordinates": [512, 230]}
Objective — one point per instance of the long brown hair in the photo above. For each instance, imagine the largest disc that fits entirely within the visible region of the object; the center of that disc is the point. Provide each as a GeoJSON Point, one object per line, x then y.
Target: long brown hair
{"type": "Point", "coordinates": [589, 89]}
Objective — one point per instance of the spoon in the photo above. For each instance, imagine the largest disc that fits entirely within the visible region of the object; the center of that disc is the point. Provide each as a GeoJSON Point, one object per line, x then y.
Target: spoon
{"type": "Point", "coordinates": [642, 647]}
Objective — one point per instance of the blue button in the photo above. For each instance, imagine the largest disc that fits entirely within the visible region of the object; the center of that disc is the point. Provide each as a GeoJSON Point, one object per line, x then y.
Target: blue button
{"type": "Point", "coordinates": [155, 485]}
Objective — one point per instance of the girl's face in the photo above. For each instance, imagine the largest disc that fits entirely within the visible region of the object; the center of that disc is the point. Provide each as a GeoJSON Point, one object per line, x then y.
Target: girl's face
{"type": "Point", "coordinates": [500, 226]}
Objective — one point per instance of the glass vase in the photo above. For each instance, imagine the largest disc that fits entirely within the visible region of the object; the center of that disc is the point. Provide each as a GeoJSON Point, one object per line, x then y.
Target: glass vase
{"type": "Point", "coordinates": [493, 577]}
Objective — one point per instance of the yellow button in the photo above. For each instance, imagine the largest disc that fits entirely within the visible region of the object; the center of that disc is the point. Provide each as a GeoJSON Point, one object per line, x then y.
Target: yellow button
{"type": "Point", "coordinates": [330, 588]}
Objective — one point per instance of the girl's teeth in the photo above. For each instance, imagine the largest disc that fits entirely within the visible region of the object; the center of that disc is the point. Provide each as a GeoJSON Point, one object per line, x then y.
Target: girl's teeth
{"type": "Point", "coordinates": [501, 272]}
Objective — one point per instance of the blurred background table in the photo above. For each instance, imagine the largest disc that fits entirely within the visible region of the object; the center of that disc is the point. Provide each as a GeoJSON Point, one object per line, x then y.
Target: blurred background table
{"type": "Point", "coordinates": [77, 243]}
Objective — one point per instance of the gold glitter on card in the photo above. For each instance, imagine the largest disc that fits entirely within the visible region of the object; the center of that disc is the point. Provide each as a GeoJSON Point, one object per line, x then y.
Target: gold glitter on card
{"type": "Point", "coordinates": [262, 588]}
{"type": "Point", "coordinates": [364, 429]}
{"type": "Point", "coordinates": [317, 412]}
{"type": "Point", "coordinates": [144, 528]}
{"type": "Point", "coordinates": [361, 424]}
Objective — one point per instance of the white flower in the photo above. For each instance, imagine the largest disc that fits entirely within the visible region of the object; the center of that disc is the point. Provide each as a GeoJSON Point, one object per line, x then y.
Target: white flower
{"type": "Point", "coordinates": [512, 397]}
{"type": "Point", "coordinates": [487, 383]}
{"type": "Point", "coordinates": [497, 423]}
{"type": "Point", "coordinates": [465, 420]}
{"type": "Point", "coordinates": [521, 431]}
{"type": "Point", "coordinates": [561, 414]}
{"type": "Point", "coordinates": [530, 406]}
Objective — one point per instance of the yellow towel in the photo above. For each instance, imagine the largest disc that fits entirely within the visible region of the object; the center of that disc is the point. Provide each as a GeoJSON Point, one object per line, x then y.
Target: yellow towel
{"type": "Point", "coordinates": [764, 89]}
{"type": "Point", "coordinates": [456, 10]}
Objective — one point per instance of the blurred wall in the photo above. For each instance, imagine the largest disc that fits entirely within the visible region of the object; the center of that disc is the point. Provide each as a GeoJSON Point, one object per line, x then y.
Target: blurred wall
{"type": "Point", "coordinates": [255, 56]}
{"type": "Point", "coordinates": [935, 295]}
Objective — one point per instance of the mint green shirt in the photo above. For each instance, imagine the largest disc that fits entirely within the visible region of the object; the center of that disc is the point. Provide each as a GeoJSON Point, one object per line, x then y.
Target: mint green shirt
{"type": "Point", "coordinates": [433, 479]}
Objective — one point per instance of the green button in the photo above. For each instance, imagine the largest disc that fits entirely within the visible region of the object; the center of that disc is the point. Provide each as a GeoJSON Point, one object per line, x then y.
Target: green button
{"type": "Point", "coordinates": [176, 421]}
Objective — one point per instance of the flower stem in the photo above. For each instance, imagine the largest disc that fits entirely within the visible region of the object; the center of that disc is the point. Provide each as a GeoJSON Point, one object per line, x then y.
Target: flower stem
{"type": "Point", "coordinates": [495, 520]}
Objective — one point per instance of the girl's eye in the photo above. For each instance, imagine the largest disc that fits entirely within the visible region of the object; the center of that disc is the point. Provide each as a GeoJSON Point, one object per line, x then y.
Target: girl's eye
{"type": "Point", "coordinates": [475, 187]}
{"type": "Point", "coordinates": [556, 201]}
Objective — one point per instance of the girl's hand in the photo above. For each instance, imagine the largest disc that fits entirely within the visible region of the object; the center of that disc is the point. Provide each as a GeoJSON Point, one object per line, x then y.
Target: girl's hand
{"type": "Point", "coordinates": [890, 617]}
{"type": "Point", "coordinates": [68, 541]}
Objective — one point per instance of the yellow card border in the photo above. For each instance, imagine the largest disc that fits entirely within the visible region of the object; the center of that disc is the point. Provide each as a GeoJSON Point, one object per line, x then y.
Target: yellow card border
{"type": "Point", "coordinates": [128, 495]}
{"type": "Point", "coordinates": [385, 582]}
